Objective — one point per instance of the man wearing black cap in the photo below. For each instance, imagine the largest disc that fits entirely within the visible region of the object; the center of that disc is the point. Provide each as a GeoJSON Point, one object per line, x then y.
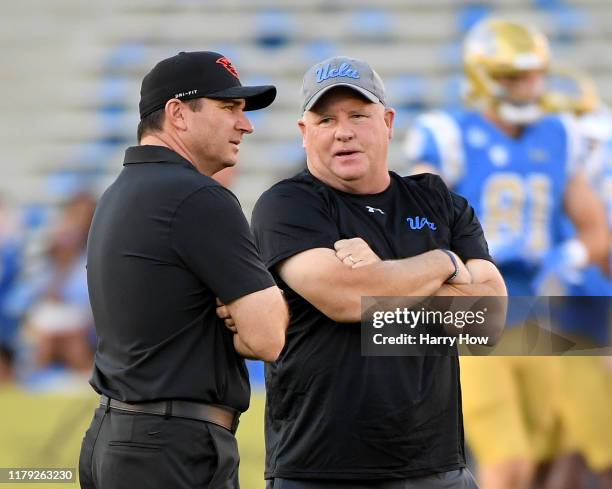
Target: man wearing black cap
{"type": "Point", "coordinates": [344, 228]}
{"type": "Point", "coordinates": [166, 243]}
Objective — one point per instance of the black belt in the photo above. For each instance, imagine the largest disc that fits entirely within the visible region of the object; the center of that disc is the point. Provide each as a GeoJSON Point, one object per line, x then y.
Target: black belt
{"type": "Point", "coordinates": [219, 415]}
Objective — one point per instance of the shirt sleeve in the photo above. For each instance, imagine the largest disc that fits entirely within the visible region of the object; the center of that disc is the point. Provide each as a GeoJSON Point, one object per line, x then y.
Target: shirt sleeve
{"type": "Point", "coordinates": [289, 219]}
{"type": "Point", "coordinates": [212, 238]}
{"type": "Point", "coordinates": [467, 236]}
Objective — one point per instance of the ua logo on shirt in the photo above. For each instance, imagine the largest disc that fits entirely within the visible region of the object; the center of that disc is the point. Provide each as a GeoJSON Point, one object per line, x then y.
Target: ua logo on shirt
{"type": "Point", "coordinates": [420, 222]}
{"type": "Point", "coordinates": [374, 209]}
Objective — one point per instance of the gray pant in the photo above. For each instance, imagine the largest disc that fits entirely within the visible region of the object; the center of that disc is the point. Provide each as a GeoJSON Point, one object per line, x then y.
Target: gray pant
{"type": "Point", "coordinates": [455, 479]}
{"type": "Point", "coordinates": [132, 450]}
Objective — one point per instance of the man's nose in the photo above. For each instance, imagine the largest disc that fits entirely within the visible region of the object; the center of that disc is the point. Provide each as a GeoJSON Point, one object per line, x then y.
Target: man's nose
{"type": "Point", "coordinates": [244, 124]}
{"type": "Point", "coordinates": [344, 132]}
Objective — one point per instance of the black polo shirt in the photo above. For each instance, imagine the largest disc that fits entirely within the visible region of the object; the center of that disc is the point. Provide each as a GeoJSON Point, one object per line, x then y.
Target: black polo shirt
{"type": "Point", "coordinates": [164, 243]}
{"type": "Point", "coordinates": [330, 412]}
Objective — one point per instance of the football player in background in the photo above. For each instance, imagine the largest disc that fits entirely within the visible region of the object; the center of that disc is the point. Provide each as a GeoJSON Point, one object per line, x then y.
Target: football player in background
{"type": "Point", "coordinates": [520, 168]}
{"type": "Point", "coordinates": [585, 396]}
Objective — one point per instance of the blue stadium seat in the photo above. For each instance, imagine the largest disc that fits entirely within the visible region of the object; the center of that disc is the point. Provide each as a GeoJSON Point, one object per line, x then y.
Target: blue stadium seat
{"type": "Point", "coordinates": [372, 25]}
{"type": "Point", "coordinates": [452, 54]}
{"type": "Point", "coordinates": [453, 91]}
{"type": "Point", "coordinates": [66, 183]}
{"type": "Point", "coordinates": [548, 4]}
{"type": "Point", "coordinates": [471, 14]}
{"type": "Point", "coordinates": [116, 91]}
{"type": "Point", "coordinates": [407, 92]}
{"type": "Point", "coordinates": [95, 154]}
{"type": "Point", "coordinates": [116, 123]}
{"type": "Point", "coordinates": [274, 29]}
{"type": "Point", "coordinates": [286, 154]}
{"type": "Point", "coordinates": [315, 51]}
{"type": "Point", "coordinates": [125, 55]}
{"type": "Point", "coordinates": [404, 118]}
{"type": "Point", "coordinates": [568, 22]}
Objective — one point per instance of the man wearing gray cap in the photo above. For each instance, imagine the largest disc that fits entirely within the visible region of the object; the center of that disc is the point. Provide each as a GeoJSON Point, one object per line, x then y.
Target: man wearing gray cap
{"type": "Point", "coordinates": [345, 228]}
{"type": "Point", "coordinates": [166, 243]}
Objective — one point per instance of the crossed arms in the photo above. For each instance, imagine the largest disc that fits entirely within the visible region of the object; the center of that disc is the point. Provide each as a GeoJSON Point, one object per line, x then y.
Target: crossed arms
{"type": "Point", "coordinates": [334, 284]}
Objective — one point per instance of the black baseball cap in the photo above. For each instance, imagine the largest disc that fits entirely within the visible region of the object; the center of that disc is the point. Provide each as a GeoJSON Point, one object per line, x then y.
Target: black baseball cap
{"type": "Point", "coordinates": [197, 74]}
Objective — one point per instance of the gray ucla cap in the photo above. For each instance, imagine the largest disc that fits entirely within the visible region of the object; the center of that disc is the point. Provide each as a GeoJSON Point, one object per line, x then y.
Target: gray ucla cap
{"type": "Point", "coordinates": [341, 71]}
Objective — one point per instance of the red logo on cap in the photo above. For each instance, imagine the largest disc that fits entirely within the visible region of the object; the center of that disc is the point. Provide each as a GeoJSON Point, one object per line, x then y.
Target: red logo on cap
{"type": "Point", "coordinates": [227, 64]}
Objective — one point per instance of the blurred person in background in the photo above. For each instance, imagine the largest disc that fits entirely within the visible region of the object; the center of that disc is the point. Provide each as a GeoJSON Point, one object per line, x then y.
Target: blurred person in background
{"type": "Point", "coordinates": [7, 373]}
{"type": "Point", "coordinates": [520, 169]}
{"type": "Point", "coordinates": [585, 396]}
{"type": "Point", "coordinates": [10, 266]}
{"type": "Point", "coordinates": [57, 323]}
{"type": "Point", "coordinates": [60, 319]}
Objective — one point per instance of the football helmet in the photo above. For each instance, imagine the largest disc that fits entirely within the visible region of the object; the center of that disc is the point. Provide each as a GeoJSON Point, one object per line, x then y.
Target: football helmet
{"type": "Point", "coordinates": [497, 48]}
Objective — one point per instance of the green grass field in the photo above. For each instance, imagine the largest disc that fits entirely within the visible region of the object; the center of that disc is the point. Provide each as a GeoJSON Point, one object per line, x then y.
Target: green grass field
{"type": "Point", "coordinates": [251, 444]}
{"type": "Point", "coordinates": [45, 430]}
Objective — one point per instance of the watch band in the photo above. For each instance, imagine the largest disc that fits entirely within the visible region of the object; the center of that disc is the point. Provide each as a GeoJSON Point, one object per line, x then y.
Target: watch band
{"type": "Point", "coordinates": [455, 264]}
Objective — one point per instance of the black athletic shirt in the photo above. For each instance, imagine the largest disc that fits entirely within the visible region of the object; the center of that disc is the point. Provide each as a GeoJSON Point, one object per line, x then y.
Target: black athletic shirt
{"type": "Point", "coordinates": [164, 242]}
{"type": "Point", "coordinates": [330, 412]}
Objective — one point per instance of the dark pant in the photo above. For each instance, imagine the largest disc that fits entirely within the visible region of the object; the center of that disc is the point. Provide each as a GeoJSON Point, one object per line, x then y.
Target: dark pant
{"type": "Point", "coordinates": [126, 450]}
{"type": "Point", "coordinates": [455, 479]}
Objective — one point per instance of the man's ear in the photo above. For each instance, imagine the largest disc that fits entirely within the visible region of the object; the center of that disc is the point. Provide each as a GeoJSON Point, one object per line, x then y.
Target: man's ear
{"type": "Point", "coordinates": [389, 119]}
{"type": "Point", "coordinates": [302, 126]}
{"type": "Point", "coordinates": [175, 114]}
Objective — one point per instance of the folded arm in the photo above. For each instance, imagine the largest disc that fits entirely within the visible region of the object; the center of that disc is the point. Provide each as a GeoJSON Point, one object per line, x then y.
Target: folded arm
{"type": "Point", "coordinates": [259, 321]}
{"type": "Point", "coordinates": [336, 289]}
